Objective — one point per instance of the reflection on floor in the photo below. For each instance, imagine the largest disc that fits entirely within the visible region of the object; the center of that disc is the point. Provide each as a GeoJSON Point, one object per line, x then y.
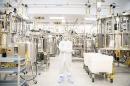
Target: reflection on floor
{"type": "Point", "coordinates": [49, 77]}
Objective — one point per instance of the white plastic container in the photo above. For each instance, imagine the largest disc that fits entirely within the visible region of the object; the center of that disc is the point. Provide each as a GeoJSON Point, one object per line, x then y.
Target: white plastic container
{"type": "Point", "coordinates": [97, 62]}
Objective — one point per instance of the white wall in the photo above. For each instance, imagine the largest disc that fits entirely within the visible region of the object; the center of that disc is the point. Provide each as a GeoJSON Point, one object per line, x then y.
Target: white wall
{"type": "Point", "coordinates": [123, 5]}
{"type": "Point", "coordinates": [127, 6]}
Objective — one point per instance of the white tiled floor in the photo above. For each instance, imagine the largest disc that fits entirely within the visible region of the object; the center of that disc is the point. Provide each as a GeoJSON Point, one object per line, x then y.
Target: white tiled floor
{"type": "Point", "coordinates": [80, 77]}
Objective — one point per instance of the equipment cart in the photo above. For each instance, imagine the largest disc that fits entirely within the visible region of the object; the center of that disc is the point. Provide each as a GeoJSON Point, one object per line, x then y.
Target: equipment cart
{"type": "Point", "coordinates": [96, 63]}
{"type": "Point", "coordinates": [18, 69]}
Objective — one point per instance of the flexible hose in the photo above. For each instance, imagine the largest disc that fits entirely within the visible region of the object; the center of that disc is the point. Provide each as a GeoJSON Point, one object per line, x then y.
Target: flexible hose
{"type": "Point", "coordinates": [33, 76]}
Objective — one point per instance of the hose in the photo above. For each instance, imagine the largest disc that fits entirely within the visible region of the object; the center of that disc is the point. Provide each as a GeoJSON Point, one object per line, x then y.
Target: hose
{"type": "Point", "coordinates": [35, 63]}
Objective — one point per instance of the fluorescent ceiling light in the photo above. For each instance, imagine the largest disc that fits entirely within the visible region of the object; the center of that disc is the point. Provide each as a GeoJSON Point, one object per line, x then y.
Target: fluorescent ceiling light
{"type": "Point", "coordinates": [63, 21]}
{"type": "Point", "coordinates": [91, 19]}
{"type": "Point", "coordinates": [57, 18]}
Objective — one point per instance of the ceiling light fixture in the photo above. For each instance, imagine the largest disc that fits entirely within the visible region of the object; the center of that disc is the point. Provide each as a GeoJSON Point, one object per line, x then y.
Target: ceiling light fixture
{"type": "Point", "coordinates": [62, 18]}
{"type": "Point", "coordinates": [91, 19]}
{"type": "Point", "coordinates": [63, 21]}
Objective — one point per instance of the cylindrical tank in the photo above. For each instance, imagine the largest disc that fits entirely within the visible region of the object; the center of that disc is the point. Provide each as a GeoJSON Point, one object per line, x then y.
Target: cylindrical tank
{"type": "Point", "coordinates": [51, 45]}
{"type": "Point", "coordinates": [4, 40]}
{"type": "Point", "coordinates": [100, 40]}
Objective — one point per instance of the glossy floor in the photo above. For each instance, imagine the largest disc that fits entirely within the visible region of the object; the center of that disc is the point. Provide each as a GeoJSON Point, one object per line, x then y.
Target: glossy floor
{"type": "Point", "coordinates": [49, 77]}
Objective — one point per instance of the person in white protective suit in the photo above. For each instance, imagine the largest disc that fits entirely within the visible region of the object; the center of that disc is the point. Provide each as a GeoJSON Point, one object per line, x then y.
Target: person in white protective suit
{"type": "Point", "coordinates": [65, 56]}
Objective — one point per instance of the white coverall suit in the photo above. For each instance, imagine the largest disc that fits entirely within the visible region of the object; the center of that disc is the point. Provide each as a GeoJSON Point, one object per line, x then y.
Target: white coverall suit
{"type": "Point", "coordinates": [65, 57]}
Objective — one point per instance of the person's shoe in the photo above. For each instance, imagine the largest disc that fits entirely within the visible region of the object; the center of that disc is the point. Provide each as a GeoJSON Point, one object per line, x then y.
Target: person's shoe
{"type": "Point", "coordinates": [70, 79]}
{"type": "Point", "coordinates": [61, 79]}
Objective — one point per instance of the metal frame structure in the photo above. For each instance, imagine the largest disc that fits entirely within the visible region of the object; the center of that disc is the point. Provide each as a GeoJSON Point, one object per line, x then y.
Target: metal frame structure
{"type": "Point", "coordinates": [14, 70]}
{"type": "Point", "coordinates": [115, 32]}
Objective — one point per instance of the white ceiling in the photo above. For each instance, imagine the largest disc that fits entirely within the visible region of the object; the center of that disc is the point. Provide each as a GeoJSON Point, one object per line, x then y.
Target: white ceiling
{"type": "Point", "coordinates": [74, 11]}
{"type": "Point", "coordinates": [70, 9]}
{"type": "Point", "coordinates": [68, 6]}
